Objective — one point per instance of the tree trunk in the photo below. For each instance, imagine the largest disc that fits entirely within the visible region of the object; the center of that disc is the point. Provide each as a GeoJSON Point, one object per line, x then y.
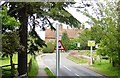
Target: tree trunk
{"type": "Point", "coordinates": [113, 62]}
{"type": "Point", "coordinates": [12, 67]}
{"type": "Point", "coordinates": [110, 60]}
{"type": "Point", "coordinates": [22, 56]}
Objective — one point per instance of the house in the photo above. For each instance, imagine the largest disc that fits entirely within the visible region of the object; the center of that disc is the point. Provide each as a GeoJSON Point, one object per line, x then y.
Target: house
{"type": "Point", "coordinates": [50, 35]}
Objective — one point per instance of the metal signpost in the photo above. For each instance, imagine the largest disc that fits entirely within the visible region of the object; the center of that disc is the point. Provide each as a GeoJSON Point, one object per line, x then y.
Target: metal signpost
{"type": "Point", "coordinates": [57, 53]}
{"type": "Point", "coordinates": [91, 44]}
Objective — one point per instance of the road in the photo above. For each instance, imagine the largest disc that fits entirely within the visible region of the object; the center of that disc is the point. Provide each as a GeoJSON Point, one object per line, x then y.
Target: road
{"type": "Point", "coordinates": [69, 68]}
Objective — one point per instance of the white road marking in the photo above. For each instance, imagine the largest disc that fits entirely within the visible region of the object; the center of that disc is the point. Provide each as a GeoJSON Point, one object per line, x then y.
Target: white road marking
{"type": "Point", "coordinates": [67, 68]}
{"type": "Point", "coordinates": [76, 74]}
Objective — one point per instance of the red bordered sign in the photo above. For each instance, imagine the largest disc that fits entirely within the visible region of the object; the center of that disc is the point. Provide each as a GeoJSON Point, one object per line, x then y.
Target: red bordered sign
{"type": "Point", "coordinates": [60, 46]}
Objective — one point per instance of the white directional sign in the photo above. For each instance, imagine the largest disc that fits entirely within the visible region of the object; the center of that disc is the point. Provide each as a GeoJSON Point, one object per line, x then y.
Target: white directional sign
{"type": "Point", "coordinates": [78, 44]}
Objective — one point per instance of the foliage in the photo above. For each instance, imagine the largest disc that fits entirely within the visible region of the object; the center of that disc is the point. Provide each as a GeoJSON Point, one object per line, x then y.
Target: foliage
{"type": "Point", "coordinates": [49, 48]}
{"type": "Point", "coordinates": [73, 44]}
{"type": "Point", "coordinates": [8, 22]}
{"type": "Point", "coordinates": [104, 67]}
{"type": "Point", "coordinates": [44, 11]}
{"type": "Point", "coordinates": [34, 43]}
{"type": "Point", "coordinates": [9, 36]}
{"type": "Point", "coordinates": [8, 40]}
{"type": "Point", "coordinates": [34, 69]}
{"type": "Point", "coordinates": [65, 40]}
{"type": "Point", "coordinates": [49, 73]}
{"type": "Point", "coordinates": [85, 35]}
{"type": "Point", "coordinates": [104, 29]}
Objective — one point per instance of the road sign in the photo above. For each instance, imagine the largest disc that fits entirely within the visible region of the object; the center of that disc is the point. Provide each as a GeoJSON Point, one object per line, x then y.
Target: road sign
{"type": "Point", "coordinates": [78, 44]}
{"type": "Point", "coordinates": [96, 46]}
{"type": "Point", "coordinates": [60, 46]}
{"type": "Point", "coordinates": [91, 43]}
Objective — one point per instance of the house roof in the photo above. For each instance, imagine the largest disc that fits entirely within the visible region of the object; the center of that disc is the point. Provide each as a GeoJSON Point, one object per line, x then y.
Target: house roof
{"type": "Point", "coordinates": [49, 34]}
{"type": "Point", "coordinates": [72, 33]}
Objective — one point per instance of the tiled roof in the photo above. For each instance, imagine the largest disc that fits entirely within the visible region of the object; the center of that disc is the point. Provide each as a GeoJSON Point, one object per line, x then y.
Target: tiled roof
{"type": "Point", "coordinates": [72, 33]}
{"type": "Point", "coordinates": [49, 34]}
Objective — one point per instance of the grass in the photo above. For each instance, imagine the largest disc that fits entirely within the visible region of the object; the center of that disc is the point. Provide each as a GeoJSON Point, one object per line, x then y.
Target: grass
{"type": "Point", "coordinates": [106, 68]}
{"type": "Point", "coordinates": [6, 61]}
{"type": "Point", "coordinates": [76, 60]}
{"type": "Point", "coordinates": [49, 73]}
{"type": "Point", "coordinates": [34, 69]}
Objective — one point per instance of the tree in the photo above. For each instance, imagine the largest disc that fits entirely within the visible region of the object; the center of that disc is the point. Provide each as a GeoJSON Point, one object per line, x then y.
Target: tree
{"type": "Point", "coordinates": [84, 37]}
{"type": "Point", "coordinates": [10, 46]}
{"type": "Point", "coordinates": [23, 11]}
{"type": "Point", "coordinates": [8, 22]}
{"type": "Point", "coordinates": [9, 36]}
{"type": "Point", "coordinates": [104, 27]}
{"type": "Point", "coordinates": [65, 40]}
{"type": "Point", "coordinates": [118, 29]}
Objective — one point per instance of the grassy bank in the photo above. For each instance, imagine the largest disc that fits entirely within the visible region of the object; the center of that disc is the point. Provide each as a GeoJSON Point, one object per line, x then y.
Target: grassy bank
{"type": "Point", "coordinates": [49, 73]}
{"type": "Point", "coordinates": [34, 69]}
{"type": "Point", "coordinates": [104, 67]}
{"type": "Point", "coordinates": [76, 60]}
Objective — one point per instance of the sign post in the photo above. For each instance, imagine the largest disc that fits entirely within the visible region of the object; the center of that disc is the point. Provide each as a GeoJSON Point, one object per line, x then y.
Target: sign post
{"type": "Point", "coordinates": [57, 53]}
{"type": "Point", "coordinates": [91, 44]}
{"type": "Point", "coordinates": [78, 45]}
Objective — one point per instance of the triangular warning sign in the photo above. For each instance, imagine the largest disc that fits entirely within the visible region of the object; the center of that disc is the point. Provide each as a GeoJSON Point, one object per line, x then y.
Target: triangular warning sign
{"type": "Point", "coordinates": [60, 46]}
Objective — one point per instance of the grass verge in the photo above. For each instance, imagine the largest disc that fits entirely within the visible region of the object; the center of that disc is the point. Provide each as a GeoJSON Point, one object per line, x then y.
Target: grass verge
{"type": "Point", "coordinates": [104, 67]}
{"type": "Point", "coordinates": [34, 69]}
{"type": "Point", "coordinates": [76, 60]}
{"type": "Point", "coordinates": [49, 73]}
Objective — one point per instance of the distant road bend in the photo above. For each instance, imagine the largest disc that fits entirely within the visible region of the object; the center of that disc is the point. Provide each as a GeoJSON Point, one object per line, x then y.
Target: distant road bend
{"type": "Point", "coordinates": [69, 68]}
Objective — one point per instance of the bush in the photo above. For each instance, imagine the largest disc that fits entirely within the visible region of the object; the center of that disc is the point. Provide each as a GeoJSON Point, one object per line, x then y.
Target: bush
{"type": "Point", "coordinates": [49, 48]}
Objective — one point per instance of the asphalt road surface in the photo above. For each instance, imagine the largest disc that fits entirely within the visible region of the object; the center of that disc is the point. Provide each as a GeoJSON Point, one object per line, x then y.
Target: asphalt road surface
{"type": "Point", "coordinates": [69, 68]}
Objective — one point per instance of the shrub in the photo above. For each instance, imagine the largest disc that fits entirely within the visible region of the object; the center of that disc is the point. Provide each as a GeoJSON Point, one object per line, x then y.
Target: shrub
{"type": "Point", "coordinates": [49, 48]}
